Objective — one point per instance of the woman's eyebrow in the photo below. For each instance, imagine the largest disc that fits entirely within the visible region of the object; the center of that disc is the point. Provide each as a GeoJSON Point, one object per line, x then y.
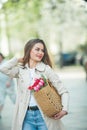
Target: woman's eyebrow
{"type": "Point", "coordinates": [39, 48]}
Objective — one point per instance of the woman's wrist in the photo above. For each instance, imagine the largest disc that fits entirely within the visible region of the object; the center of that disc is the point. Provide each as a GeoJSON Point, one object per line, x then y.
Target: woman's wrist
{"type": "Point", "coordinates": [20, 60]}
{"type": "Point", "coordinates": [65, 112]}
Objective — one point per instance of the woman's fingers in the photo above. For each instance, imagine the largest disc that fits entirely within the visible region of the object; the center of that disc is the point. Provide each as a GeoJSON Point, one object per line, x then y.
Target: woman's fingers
{"type": "Point", "coordinates": [59, 115]}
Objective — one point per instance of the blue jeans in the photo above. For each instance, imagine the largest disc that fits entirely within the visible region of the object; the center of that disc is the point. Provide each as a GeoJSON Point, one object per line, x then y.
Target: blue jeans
{"type": "Point", "coordinates": [34, 121]}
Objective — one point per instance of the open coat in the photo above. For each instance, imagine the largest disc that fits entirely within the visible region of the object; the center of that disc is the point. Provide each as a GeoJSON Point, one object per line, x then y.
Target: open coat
{"type": "Point", "coordinates": [12, 69]}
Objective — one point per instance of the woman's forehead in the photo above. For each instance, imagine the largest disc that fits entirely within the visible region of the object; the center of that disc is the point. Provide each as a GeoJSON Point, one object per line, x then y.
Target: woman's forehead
{"type": "Point", "coordinates": [38, 45]}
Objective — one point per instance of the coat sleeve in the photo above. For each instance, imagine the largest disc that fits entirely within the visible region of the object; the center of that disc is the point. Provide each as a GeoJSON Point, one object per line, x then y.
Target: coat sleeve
{"type": "Point", "coordinates": [10, 68]}
{"type": "Point", "coordinates": [55, 80]}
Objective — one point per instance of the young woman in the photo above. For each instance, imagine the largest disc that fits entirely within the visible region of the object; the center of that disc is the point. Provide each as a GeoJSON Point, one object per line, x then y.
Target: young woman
{"type": "Point", "coordinates": [36, 61]}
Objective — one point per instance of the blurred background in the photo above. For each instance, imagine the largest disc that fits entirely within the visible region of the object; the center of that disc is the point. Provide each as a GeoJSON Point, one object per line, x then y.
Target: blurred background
{"type": "Point", "coordinates": [61, 24]}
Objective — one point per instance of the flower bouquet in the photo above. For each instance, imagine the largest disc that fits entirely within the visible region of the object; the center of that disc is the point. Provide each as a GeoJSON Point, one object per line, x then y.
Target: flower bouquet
{"type": "Point", "coordinates": [46, 96]}
{"type": "Point", "coordinates": [38, 84]}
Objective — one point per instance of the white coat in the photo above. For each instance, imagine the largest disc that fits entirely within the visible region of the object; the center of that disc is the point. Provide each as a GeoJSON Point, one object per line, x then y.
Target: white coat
{"type": "Point", "coordinates": [12, 69]}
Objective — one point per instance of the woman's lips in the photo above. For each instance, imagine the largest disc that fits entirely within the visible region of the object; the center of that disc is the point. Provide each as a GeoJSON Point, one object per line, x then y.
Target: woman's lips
{"type": "Point", "coordinates": [40, 57]}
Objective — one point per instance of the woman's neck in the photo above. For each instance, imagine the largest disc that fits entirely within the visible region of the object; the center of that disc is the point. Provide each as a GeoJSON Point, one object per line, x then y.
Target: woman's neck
{"type": "Point", "coordinates": [32, 64]}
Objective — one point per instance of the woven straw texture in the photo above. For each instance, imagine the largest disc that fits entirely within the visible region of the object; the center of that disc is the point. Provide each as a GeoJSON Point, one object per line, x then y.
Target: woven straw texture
{"type": "Point", "coordinates": [49, 100]}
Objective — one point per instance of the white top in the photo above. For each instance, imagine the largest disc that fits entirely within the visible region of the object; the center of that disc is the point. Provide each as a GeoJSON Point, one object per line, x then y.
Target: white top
{"type": "Point", "coordinates": [32, 99]}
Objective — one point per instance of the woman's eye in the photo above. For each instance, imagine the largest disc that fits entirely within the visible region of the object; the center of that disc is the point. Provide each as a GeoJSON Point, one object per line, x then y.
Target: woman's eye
{"type": "Point", "coordinates": [37, 49]}
{"type": "Point", "coordinates": [42, 50]}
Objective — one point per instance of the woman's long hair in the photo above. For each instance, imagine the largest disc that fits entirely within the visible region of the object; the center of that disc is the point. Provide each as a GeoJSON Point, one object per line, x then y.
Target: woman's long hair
{"type": "Point", "coordinates": [2, 55]}
{"type": "Point", "coordinates": [29, 45]}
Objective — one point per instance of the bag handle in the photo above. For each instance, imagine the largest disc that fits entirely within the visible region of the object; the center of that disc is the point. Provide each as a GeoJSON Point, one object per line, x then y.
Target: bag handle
{"type": "Point", "coordinates": [50, 84]}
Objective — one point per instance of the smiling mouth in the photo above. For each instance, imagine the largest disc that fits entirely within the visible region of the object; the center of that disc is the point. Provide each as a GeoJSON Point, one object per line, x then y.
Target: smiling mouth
{"type": "Point", "coordinates": [40, 57]}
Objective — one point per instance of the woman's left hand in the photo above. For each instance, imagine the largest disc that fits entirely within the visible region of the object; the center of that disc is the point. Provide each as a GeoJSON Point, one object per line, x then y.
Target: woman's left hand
{"type": "Point", "coordinates": [59, 115]}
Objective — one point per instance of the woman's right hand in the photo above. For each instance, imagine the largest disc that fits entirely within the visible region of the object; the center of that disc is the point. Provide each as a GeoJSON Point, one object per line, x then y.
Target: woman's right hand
{"type": "Point", "coordinates": [20, 60]}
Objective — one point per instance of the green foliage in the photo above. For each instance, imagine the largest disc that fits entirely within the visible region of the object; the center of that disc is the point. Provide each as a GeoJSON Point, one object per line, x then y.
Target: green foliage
{"type": "Point", "coordinates": [22, 17]}
{"type": "Point", "coordinates": [47, 19]}
{"type": "Point", "coordinates": [83, 47]}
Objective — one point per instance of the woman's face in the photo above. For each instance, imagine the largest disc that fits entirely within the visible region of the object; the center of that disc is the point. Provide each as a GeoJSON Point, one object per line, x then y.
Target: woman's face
{"type": "Point", "coordinates": [37, 52]}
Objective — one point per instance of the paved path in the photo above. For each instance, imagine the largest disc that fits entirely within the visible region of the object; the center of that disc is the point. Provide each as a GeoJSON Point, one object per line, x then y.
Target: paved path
{"type": "Point", "coordinates": [77, 86]}
{"type": "Point", "coordinates": [74, 80]}
{"type": "Point", "coordinates": [6, 120]}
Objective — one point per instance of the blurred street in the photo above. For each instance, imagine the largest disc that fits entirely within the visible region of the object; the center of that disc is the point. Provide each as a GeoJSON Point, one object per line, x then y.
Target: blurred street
{"type": "Point", "coordinates": [74, 80]}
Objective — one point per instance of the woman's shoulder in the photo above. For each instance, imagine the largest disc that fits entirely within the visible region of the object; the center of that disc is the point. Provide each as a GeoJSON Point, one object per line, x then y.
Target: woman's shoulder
{"type": "Point", "coordinates": [41, 66]}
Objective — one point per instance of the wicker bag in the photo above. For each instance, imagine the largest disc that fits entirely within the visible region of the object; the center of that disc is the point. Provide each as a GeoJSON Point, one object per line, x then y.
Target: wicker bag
{"type": "Point", "coordinates": [49, 100]}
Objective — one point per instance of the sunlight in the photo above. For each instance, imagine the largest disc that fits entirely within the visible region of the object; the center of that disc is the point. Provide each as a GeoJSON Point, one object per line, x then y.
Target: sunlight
{"type": "Point", "coordinates": [4, 46]}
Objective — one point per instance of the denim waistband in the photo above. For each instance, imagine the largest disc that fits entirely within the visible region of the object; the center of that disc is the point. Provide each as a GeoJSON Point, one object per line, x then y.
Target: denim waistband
{"type": "Point", "coordinates": [33, 108]}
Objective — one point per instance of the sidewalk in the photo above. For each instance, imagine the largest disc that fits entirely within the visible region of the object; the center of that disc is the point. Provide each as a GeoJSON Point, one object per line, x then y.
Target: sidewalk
{"type": "Point", "coordinates": [6, 120]}
{"type": "Point", "coordinates": [74, 80]}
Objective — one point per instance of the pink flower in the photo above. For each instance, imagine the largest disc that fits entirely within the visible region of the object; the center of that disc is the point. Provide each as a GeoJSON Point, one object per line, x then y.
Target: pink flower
{"type": "Point", "coordinates": [30, 87]}
{"type": "Point", "coordinates": [41, 80]}
{"type": "Point", "coordinates": [38, 84]}
{"type": "Point", "coordinates": [36, 88]}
